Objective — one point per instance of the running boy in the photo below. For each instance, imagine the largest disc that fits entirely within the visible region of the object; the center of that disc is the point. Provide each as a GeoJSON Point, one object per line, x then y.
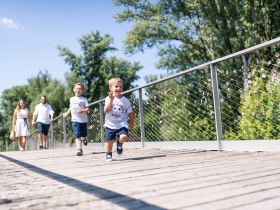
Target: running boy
{"type": "Point", "coordinates": [117, 108]}
{"type": "Point", "coordinates": [79, 109]}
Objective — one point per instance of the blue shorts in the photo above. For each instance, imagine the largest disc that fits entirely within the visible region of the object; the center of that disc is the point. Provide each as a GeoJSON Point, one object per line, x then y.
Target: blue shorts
{"type": "Point", "coordinates": [79, 129]}
{"type": "Point", "coordinates": [112, 133]}
{"type": "Point", "coordinates": [43, 128]}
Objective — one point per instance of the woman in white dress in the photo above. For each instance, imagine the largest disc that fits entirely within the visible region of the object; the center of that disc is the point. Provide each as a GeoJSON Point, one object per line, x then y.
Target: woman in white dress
{"type": "Point", "coordinates": [21, 124]}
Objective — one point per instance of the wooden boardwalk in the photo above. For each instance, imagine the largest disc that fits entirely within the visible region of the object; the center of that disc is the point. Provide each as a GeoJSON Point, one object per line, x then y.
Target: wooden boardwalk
{"type": "Point", "coordinates": [144, 179]}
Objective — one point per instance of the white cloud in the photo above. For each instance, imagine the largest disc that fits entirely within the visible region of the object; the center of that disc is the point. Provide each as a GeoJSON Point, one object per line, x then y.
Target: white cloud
{"type": "Point", "coordinates": [10, 23]}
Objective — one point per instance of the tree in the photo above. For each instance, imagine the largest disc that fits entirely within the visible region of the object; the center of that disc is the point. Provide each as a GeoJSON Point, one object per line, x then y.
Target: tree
{"type": "Point", "coordinates": [10, 98]}
{"type": "Point", "coordinates": [189, 33]}
{"type": "Point", "coordinates": [93, 68]}
{"type": "Point", "coordinates": [260, 108]}
{"type": "Point", "coordinates": [55, 91]}
{"type": "Point", "coordinates": [37, 86]}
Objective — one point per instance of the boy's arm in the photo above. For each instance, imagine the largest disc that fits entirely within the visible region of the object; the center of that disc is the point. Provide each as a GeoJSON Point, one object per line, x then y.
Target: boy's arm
{"type": "Point", "coordinates": [108, 106]}
{"type": "Point", "coordinates": [85, 110]}
{"type": "Point", "coordinates": [67, 113]}
{"type": "Point", "coordinates": [131, 120]}
{"type": "Point", "coordinates": [108, 103]}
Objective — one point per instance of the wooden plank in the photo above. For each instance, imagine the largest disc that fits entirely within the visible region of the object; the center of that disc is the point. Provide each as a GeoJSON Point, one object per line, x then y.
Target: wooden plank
{"type": "Point", "coordinates": [140, 179]}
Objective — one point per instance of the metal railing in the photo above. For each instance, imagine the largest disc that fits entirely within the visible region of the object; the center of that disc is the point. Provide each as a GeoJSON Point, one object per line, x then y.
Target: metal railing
{"type": "Point", "coordinates": [211, 106]}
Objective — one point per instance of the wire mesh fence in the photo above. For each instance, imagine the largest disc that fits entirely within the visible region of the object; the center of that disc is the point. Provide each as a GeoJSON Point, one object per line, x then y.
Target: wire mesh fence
{"type": "Point", "coordinates": [249, 95]}
{"type": "Point", "coordinates": [184, 107]}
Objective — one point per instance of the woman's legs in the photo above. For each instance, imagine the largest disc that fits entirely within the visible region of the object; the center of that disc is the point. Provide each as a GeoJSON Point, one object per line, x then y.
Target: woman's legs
{"type": "Point", "coordinates": [23, 142]}
{"type": "Point", "coordinates": [20, 143]}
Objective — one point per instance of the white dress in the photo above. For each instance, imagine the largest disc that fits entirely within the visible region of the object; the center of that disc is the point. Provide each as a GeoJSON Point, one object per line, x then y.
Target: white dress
{"type": "Point", "coordinates": [22, 125]}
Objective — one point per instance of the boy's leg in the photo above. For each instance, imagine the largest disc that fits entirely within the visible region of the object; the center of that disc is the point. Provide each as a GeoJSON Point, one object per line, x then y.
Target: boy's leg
{"type": "Point", "coordinates": [123, 138]}
{"type": "Point", "coordinates": [109, 148]}
{"type": "Point", "coordinates": [120, 142]}
{"type": "Point", "coordinates": [110, 139]}
{"type": "Point", "coordinates": [79, 146]}
{"type": "Point", "coordinates": [123, 133]}
{"type": "Point", "coordinates": [83, 130]}
{"type": "Point", "coordinates": [78, 141]}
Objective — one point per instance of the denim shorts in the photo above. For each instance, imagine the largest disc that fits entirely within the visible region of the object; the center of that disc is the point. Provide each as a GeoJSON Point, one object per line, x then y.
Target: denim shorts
{"type": "Point", "coordinates": [79, 129]}
{"type": "Point", "coordinates": [112, 133]}
{"type": "Point", "coordinates": [43, 128]}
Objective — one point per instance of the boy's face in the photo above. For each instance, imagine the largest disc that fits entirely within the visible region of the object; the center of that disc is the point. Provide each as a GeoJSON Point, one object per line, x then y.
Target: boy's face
{"type": "Point", "coordinates": [78, 90]}
{"type": "Point", "coordinates": [116, 88]}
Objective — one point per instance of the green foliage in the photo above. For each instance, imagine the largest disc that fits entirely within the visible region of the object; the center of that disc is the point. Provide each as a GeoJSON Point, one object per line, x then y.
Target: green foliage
{"type": "Point", "coordinates": [176, 111]}
{"type": "Point", "coordinates": [93, 68]}
{"type": "Point", "coordinates": [42, 84]}
{"type": "Point", "coordinates": [189, 33]}
{"type": "Point", "coordinates": [260, 104]}
{"type": "Point", "coordinates": [192, 32]}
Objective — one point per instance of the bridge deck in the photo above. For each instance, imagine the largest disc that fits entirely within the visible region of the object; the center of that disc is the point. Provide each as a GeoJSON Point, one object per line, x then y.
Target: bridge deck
{"type": "Point", "coordinates": [141, 179]}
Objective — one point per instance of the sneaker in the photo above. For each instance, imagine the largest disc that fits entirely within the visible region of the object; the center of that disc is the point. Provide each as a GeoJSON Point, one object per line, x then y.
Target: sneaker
{"type": "Point", "coordinates": [79, 152]}
{"type": "Point", "coordinates": [41, 147]}
{"type": "Point", "coordinates": [119, 148]}
{"type": "Point", "coordinates": [85, 141]}
{"type": "Point", "coordinates": [45, 147]}
{"type": "Point", "coordinates": [108, 156]}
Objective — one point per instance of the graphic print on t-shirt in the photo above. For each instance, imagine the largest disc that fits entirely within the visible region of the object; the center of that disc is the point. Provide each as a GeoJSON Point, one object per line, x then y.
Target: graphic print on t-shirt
{"type": "Point", "coordinates": [117, 110]}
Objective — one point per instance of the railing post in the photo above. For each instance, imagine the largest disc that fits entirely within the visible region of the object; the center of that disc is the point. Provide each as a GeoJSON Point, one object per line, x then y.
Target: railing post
{"type": "Point", "coordinates": [141, 110]}
{"type": "Point", "coordinates": [51, 142]}
{"type": "Point", "coordinates": [36, 140]}
{"type": "Point", "coordinates": [101, 123]}
{"type": "Point", "coordinates": [64, 131]}
{"type": "Point", "coordinates": [217, 107]}
{"type": "Point", "coordinates": [6, 145]}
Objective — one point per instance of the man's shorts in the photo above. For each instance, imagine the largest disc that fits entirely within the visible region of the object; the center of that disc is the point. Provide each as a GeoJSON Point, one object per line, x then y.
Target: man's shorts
{"type": "Point", "coordinates": [79, 129]}
{"type": "Point", "coordinates": [112, 133]}
{"type": "Point", "coordinates": [43, 128]}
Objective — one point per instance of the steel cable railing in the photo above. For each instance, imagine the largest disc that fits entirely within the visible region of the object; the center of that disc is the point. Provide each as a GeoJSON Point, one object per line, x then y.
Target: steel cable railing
{"type": "Point", "coordinates": [231, 98]}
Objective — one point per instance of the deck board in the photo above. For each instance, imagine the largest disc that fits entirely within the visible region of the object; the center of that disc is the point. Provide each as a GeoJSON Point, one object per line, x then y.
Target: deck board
{"type": "Point", "coordinates": [140, 179]}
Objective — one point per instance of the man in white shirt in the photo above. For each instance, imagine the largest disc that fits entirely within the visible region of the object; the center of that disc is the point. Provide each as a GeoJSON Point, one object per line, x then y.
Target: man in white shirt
{"type": "Point", "coordinates": [43, 116]}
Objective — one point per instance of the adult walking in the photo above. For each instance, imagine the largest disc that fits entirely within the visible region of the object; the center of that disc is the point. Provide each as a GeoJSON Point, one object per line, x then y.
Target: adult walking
{"type": "Point", "coordinates": [20, 124]}
{"type": "Point", "coordinates": [43, 116]}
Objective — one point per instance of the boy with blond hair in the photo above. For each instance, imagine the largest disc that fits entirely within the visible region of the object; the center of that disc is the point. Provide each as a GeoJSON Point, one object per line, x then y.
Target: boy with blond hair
{"type": "Point", "coordinates": [79, 109]}
{"type": "Point", "coordinates": [117, 108]}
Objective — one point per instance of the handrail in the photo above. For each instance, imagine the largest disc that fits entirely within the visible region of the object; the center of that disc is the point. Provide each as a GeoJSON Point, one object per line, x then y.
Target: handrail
{"type": "Point", "coordinates": [199, 67]}
{"type": "Point", "coordinates": [242, 52]}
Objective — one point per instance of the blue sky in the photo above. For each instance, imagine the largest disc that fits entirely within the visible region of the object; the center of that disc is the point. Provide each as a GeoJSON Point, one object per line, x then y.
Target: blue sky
{"type": "Point", "coordinates": [30, 31]}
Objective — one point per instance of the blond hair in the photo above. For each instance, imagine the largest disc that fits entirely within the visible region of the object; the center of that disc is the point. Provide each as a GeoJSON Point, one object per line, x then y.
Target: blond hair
{"type": "Point", "coordinates": [18, 107]}
{"type": "Point", "coordinates": [80, 84]}
{"type": "Point", "coordinates": [113, 80]}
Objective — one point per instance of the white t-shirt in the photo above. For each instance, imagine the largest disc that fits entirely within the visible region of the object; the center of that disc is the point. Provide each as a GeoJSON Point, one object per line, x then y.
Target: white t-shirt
{"type": "Point", "coordinates": [76, 104]}
{"type": "Point", "coordinates": [43, 113]}
{"type": "Point", "coordinates": [118, 116]}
